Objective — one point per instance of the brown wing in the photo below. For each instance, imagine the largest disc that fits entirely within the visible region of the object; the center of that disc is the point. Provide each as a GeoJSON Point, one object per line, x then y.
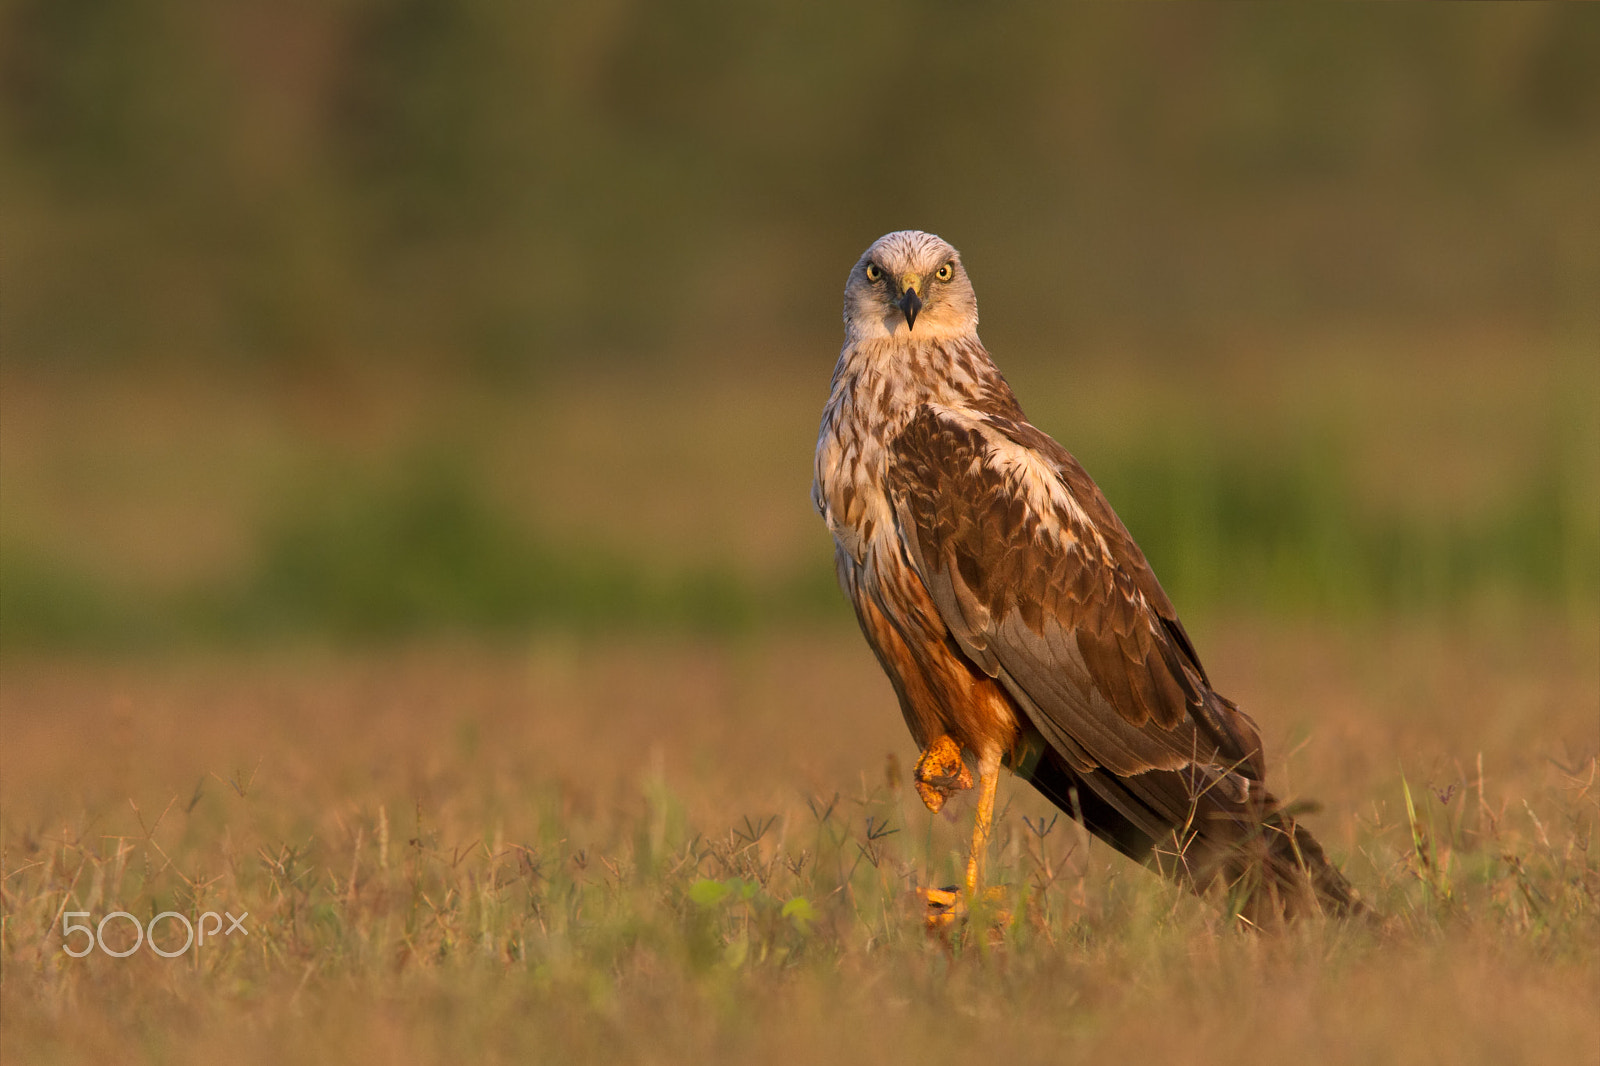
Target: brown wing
{"type": "Point", "coordinates": [1045, 590]}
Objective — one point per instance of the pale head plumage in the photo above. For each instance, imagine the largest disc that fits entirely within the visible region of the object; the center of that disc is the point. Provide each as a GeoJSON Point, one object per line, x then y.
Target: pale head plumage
{"type": "Point", "coordinates": [909, 284]}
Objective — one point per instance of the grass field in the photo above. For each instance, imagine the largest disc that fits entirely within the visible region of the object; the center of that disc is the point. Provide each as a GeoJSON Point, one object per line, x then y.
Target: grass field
{"type": "Point", "coordinates": [670, 850]}
{"type": "Point", "coordinates": [529, 726]}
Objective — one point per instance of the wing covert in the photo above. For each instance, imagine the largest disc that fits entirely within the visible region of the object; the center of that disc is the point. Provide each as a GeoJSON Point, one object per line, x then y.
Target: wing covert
{"type": "Point", "coordinates": [1045, 590]}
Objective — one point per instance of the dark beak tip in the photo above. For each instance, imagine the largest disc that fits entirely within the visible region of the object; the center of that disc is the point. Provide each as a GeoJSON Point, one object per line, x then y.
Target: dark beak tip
{"type": "Point", "coordinates": [910, 304]}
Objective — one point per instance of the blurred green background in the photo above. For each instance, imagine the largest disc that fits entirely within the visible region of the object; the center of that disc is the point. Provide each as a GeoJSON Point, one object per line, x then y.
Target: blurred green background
{"type": "Point", "coordinates": [355, 320]}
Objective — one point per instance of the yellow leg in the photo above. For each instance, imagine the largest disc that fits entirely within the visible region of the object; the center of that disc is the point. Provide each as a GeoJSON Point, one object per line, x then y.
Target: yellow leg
{"type": "Point", "coordinates": [988, 783]}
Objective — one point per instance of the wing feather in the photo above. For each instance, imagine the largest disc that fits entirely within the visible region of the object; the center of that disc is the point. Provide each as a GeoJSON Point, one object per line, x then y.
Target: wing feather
{"type": "Point", "coordinates": [1044, 589]}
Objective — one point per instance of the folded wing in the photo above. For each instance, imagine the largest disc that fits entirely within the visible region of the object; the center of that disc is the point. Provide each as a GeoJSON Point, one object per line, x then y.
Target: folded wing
{"type": "Point", "coordinates": [1044, 589]}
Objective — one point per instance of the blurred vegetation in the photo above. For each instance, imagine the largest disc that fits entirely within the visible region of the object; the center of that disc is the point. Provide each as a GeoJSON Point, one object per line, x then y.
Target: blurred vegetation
{"type": "Point", "coordinates": [313, 199]}
{"type": "Point", "coordinates": [507, 187]}
{"type": "Point", "coordinates": [423, 547]}
{"type": "Point", "coordinates": [366, 557]}
{"type": "Point", "coordinates": [1290, 532]}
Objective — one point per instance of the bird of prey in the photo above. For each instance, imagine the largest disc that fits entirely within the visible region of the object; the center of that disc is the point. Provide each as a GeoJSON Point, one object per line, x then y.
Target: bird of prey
{"type": "Point", "coordinates": [1017, 620]}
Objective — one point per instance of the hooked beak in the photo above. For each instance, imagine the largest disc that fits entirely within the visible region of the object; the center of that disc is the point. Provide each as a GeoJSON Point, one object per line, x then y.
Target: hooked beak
{"type": "Point", "coordinates": [909, 305]}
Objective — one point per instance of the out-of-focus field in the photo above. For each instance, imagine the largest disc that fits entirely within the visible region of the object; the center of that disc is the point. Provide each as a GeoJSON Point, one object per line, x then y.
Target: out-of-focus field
{"type": "Point", "coordinates": [1340, 474]}
{"type": "Point", "coordinates": [666, 850]}
{"type": "Point", "coordinates": [408, 412]}
{"type": "Point", "coordinates": [660, 828]}
{"type": "Point", "coordinates": [527, 723]}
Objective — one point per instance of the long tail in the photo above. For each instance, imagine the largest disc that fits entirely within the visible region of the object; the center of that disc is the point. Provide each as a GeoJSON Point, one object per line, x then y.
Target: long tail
{"type": "Point", "coordinates": [1206, 834]}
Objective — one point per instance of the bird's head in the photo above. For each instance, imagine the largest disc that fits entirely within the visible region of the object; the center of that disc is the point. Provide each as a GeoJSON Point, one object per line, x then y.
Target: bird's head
{"type": "Point", "coordinates": [910, 283]}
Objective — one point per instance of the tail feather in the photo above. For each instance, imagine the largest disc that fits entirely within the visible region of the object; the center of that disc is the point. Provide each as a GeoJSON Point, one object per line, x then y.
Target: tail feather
{"type": "Point", "coordinates": [1205, 837]}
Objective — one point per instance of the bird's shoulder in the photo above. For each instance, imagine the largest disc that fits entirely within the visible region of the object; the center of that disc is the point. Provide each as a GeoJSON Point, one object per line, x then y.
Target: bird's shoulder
{"type": "Point", "coordinates": [993, 454]}
{"type": "Point", "coordinates": [1020, 506]}
{"type": "Point", "coordinates": [1043, 587]}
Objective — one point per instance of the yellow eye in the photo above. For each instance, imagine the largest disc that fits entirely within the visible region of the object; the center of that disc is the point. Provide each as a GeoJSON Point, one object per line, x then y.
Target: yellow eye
{"type": "Point", "coordinates": [874, 272]}
{"type": "Point", "coordinates": [946, 272]}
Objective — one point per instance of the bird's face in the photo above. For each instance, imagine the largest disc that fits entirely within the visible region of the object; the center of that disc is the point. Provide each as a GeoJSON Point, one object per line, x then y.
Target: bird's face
{"type": "Point", "coordinates": [909, 284]}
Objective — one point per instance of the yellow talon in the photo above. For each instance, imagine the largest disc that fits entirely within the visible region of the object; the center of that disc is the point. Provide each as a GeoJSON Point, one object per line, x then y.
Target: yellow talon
{"type": "Point", "coordinates": [944, 906]}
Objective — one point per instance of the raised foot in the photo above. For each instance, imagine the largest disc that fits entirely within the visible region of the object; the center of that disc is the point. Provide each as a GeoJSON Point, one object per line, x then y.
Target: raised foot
{"type": "Point", "coordinates": [940, 773]}
{"type": "Point", "coordinates": [945, 907]}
